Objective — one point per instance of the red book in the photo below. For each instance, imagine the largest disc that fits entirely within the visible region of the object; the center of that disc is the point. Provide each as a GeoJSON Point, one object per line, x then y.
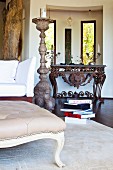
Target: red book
{"type": "Point", "coordinates": [70, 114]}
{"type": "Point", "coordinates": [80, 116]}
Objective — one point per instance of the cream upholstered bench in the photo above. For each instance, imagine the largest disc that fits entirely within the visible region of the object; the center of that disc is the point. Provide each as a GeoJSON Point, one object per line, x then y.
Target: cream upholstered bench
{"type": "Point", "coordinates": [22, 122]}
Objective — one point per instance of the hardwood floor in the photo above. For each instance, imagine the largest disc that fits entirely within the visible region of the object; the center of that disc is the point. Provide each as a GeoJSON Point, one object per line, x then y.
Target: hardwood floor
{"type": "Point", "coordinates": [104, 111]}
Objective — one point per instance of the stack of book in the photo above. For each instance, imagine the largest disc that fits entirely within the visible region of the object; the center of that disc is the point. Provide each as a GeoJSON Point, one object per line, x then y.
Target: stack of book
{"type": "Point", "coordinates": [78, 111]}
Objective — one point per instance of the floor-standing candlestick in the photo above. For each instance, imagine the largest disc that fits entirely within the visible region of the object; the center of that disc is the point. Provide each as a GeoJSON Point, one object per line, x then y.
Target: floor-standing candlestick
{"type": "Point", "coordinates": [42, 91]}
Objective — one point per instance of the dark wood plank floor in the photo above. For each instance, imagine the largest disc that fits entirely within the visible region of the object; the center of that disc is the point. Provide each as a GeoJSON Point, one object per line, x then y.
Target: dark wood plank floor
{"type": "Point", "coordinates": [104, 111]}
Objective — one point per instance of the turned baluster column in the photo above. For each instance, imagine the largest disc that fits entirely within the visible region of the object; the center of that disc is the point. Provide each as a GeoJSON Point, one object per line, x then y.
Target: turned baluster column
{"type": "Point", "coordinates": [42, 91]}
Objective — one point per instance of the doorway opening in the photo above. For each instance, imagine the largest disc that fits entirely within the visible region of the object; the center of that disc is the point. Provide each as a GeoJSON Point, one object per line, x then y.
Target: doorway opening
{"type": "Point", "coordinates": [88, 41]}
{"type": "Point", "coordinates": [50, 41]}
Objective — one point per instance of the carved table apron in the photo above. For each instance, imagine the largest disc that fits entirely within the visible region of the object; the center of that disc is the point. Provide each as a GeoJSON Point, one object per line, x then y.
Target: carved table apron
{"type": "Point", "coordinates": [79, 75]}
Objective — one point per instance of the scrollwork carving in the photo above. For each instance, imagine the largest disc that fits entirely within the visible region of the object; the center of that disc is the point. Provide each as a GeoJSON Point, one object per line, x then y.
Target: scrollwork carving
{"type": "Point", "coordinates": [79, 75]}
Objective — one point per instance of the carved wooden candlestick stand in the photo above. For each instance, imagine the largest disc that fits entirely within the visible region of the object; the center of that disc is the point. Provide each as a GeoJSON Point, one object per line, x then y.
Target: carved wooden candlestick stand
{"type": "Point", "coordinates": [42, 90]}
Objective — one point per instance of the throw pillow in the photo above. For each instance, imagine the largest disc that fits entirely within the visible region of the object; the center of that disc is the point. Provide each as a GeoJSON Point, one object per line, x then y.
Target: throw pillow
{"type": "Point", "coordinates": [8, 71]}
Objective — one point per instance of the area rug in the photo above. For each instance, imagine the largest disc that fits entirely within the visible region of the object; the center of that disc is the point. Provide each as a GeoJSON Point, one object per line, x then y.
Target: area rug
{"type": "Point", "coordinates": [87, 147]}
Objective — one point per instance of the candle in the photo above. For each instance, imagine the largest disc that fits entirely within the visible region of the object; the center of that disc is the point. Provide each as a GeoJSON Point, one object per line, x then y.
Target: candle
{"type": "Point", "coordinates": [42, 12]}
{"type": "Point", "coordinates": [98, 48]}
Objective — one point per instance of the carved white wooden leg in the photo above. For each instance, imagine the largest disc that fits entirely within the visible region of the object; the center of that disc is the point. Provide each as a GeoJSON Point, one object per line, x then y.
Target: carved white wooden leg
{"type": "Point", "coordinates": [60, 144]}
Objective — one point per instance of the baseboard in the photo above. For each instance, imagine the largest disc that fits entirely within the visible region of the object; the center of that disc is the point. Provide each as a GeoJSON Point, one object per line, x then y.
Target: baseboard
{"type": "Point", "coordinates": [107, 98]}
{"type": "Point", "coordinates": [28, 99]}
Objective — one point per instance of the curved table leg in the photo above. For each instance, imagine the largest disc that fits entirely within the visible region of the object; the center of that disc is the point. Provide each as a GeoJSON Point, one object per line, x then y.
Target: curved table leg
{"type": "Point", "coordinates": [97, 86]}
{"type": "Point", "coordinates": [53, 81]}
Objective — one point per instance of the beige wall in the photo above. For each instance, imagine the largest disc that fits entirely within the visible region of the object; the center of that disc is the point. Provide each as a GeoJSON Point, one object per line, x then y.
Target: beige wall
{"type": "Point", "coordinates": [77, 17]}
{"type": "Point", "coordinates": [26, 30]}
{"type": "Point", "coordinates": [108, 49]}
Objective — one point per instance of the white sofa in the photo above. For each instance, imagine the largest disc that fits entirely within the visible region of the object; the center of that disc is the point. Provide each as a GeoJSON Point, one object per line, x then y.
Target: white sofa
{"type": "Point", "coordinates": [17, 79]}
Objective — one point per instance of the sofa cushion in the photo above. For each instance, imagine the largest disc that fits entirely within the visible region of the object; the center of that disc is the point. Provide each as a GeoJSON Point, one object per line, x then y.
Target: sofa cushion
{"type": "Point", "coordinates": [8, 71]}
{"type": "Point", "coordinates": [12, 89]}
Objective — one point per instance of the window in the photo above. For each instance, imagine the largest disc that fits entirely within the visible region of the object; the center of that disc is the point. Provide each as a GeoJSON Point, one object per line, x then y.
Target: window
{"type": "Point", "coordinates": [50, 41]}
{"type": "Point", "coordinates": [88, 41]}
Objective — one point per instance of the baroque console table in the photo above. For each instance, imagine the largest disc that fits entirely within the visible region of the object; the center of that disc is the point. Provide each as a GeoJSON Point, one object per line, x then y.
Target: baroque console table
{"type": "Point", "coordinates": [79, 75]}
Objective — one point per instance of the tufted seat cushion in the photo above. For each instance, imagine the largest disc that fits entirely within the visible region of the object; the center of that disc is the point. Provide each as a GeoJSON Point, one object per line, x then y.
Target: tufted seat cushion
{"type": "Point", "coordinates": [20, 118]}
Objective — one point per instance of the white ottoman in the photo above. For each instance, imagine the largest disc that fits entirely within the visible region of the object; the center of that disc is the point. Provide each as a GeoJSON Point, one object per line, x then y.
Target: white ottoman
{"type": "Point", "coordinates": [22, 122]}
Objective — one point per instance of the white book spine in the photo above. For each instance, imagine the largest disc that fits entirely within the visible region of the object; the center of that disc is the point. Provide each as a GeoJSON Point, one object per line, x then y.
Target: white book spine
{"type": "Point", "coordinates": [87, 116]}
{"type": "Point", "coordinates": [67, 110]}
{"type": "Point", "coordinates": [75, 120]}
{"type": "Point", "coordinates": [80, 101]}
{"type": "Point", "coordinates": [76, 102]}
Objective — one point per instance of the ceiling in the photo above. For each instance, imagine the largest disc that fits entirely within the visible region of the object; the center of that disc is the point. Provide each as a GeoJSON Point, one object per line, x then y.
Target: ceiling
{"type": "Point", "coordinates": [63, 8]}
